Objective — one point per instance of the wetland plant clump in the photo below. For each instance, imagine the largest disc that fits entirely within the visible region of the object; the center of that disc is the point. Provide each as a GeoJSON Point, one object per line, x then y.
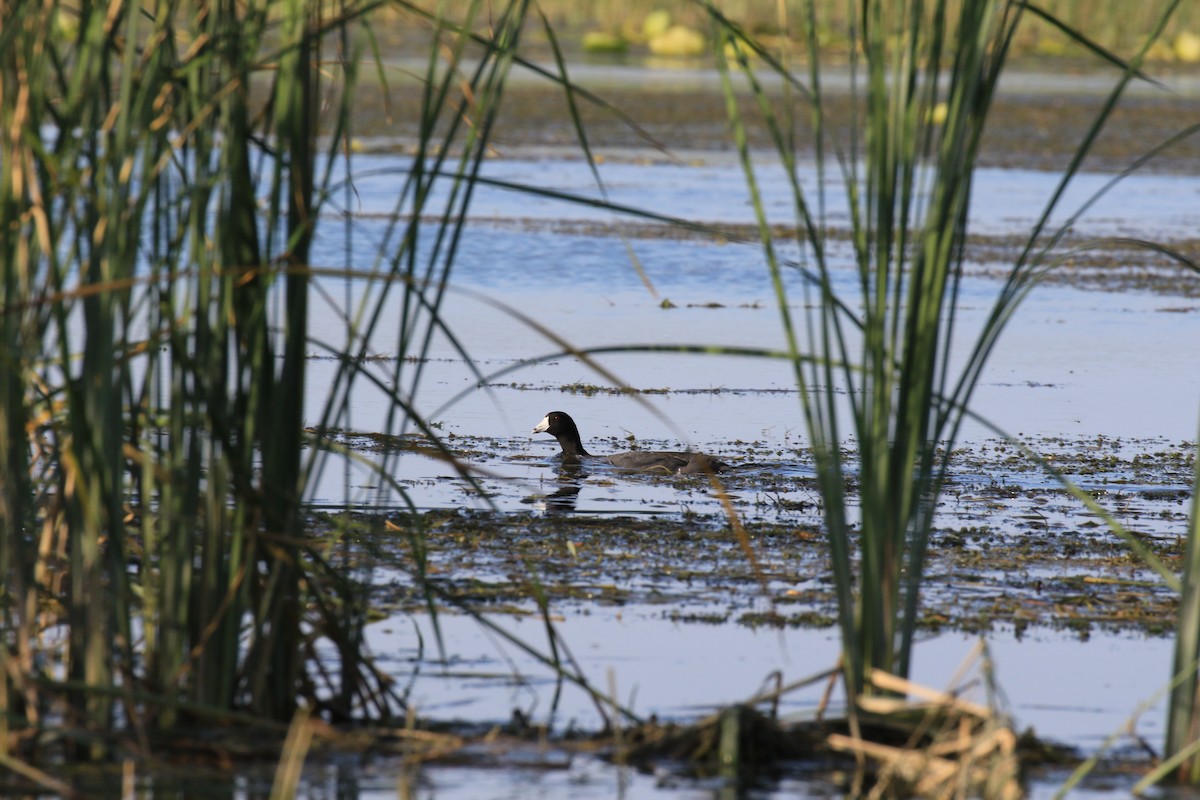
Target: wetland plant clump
{"type": "Point", "coordinates": [155, 470]}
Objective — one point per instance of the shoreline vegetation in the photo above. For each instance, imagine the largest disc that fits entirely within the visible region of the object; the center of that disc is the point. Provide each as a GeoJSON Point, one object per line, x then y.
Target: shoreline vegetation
{"type": "Point", "coordinates": [631, 26]}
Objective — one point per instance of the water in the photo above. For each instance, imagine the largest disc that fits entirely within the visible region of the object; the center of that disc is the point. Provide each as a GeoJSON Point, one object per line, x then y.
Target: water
{"type": "Point", "coordinates": [709, 189]}
{"type": "Point", "coordinates": [1067, 690]}
{"type": "Point", "coordinates": [1073, 363]}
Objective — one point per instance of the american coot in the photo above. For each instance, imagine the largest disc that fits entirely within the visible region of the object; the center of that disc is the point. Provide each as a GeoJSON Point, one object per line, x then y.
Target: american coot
{"type": "Point", "coordinates": [560, 425]}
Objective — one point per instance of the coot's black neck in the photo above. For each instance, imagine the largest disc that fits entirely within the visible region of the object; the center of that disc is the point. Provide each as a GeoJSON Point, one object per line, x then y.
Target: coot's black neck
{"type": "Point", "coordinates": [571, 444]}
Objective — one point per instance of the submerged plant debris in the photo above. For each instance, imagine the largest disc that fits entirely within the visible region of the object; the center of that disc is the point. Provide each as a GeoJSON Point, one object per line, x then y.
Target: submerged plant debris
{"type": "Point", "coordinates": [1012, 549]}
{"type": "Point", "coordinates": [933, 744]}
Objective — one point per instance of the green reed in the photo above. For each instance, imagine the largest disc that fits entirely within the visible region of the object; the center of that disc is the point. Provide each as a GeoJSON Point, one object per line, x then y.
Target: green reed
{"type": "Point", "coordinates": [141, 363]}
{"type": "Point", "coordinates": [874, 363]}
{"type": "Point", "coordinates": [1182, 746]}
{"type": "Point", "coordinates": [161, 184]}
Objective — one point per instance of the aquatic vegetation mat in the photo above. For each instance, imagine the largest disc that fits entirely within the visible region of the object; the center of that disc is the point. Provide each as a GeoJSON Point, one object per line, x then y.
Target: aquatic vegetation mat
{"type": "Point", "coordinates": [1011, 548]}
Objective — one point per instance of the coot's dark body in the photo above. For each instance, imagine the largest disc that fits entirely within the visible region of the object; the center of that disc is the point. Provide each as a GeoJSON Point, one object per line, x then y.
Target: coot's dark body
{"type": "Point", "coordinates": [560, 425]}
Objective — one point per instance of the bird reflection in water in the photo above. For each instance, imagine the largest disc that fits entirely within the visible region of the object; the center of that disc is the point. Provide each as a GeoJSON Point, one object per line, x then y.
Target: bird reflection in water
{"type": "Point", "coordinates": [570, 478]}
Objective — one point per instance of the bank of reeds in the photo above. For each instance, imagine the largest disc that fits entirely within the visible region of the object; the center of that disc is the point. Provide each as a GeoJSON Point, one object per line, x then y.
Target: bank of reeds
{"type": "Point", "coordinates": [151, 548]}
{"type": "Point", "coordinates": [161, 183]}
{"type": "Point", "coordinates": [1116, 25]}
{"type": "Point", "coordinates": [888, 364]}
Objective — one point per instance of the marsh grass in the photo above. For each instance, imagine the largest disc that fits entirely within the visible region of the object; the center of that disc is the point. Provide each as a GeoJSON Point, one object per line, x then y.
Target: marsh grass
{"type": "Point", "coordinates": [924, 76]}
{"type": "Point", "coordinates": [158, 527]}
{"type": "Point", "coordinates": [161, 185]}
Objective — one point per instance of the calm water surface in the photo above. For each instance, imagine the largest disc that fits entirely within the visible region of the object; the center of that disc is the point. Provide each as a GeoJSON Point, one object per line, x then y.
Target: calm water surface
{"type": "Point", "coordinates": [1072, 363]}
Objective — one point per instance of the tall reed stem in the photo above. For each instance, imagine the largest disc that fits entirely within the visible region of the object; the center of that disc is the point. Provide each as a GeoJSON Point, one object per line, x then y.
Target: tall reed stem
{"type": "Point", "coordinates": [878, 360]}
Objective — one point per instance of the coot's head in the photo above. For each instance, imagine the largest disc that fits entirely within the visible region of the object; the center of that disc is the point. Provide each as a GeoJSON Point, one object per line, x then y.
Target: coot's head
{"type": "Point", "coordinates": [556, 423]}
{"type": "Point", "coordinates": [560, 425]}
